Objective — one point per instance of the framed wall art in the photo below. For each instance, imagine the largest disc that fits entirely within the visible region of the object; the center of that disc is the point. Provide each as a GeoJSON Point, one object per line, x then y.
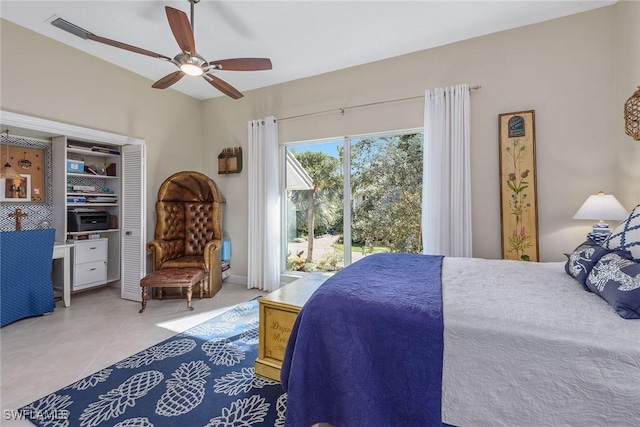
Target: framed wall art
{"type": "Point", "coordinates": [16, 190]}
{"type": "Point", "coordinates": [518, 201]}
{"type": "Point", "coordinates": [29, 161]}
{"type": "Point", "coordinates": [230, 160]}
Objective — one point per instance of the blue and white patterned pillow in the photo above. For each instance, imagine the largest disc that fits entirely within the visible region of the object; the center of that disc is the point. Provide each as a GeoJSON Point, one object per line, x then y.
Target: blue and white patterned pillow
{"type": "Point", "coordinates": [626, 236]}
{"type": "Point", "coordinates": [582, 260]}
{"type": "Point", "coordinates": [617, 280]}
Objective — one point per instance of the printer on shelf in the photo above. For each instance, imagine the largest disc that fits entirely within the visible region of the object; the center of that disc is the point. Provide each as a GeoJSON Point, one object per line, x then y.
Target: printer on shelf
{"type": "Point", "coordinates": [87, 220]}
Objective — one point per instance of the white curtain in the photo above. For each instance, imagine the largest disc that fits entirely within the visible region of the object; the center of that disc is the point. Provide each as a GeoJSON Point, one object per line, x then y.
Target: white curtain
{"type": "Point", "coordinates": [264, 205]}
{"type": "Point", "coordinates": [446, 185]}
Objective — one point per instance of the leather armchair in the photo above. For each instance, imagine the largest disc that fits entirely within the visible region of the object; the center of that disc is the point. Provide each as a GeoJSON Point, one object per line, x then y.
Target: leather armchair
{"type": "Point", "coordinates": [189, 229]}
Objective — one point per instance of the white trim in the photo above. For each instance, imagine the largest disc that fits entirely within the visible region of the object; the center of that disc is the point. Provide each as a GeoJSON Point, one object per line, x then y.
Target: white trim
{"type": "Point", "coordinates": [282, 153]}
{"type": "Point", "coordinates": [298, 173]}
{"type": "Point", "coordinates": [8, 118]}
{"type": "Point", "coordinates": [346, 201]}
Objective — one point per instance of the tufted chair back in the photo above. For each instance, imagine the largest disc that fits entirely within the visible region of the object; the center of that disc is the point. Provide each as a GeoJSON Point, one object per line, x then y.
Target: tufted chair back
{"type": "Point", "coordinates": [189, 226]}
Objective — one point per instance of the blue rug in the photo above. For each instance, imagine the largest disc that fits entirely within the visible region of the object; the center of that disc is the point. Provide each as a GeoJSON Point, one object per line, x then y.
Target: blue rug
{"type": "Point", "coordinates": [201, 377]}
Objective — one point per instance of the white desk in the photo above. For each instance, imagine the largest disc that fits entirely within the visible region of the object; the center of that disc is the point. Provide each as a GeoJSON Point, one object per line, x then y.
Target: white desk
{"type": "Point", "coordinates": [63, 250]}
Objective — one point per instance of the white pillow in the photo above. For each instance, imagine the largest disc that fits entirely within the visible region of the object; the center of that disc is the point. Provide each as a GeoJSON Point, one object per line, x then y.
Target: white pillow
{"type": "Point", "coordinates": [626, 236]}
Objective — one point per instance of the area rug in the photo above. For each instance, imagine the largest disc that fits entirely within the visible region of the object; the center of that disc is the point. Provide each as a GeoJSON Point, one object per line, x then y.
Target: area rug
{"type": "Point", "coordinates": [201, 377]}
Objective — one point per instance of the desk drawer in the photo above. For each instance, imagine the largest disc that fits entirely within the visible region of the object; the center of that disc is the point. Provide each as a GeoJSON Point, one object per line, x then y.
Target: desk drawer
{"type": "Point", "coordinates": [89, 274]}
{"type": "Point", "coordinates": [90, 250]}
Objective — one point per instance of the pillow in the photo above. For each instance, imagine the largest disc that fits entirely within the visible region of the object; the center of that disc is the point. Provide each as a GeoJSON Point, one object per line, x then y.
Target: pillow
{"type": "Point", "coordinates": [626, 236]}
{"type": "Point", "coordinates": [582, 260]}
{"type": "Point", "coordinates": [617, 280]}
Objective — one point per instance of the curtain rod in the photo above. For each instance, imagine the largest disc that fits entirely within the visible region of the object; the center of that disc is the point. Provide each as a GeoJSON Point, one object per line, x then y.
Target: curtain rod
{"type": "Point", "coordinates": [343, 109]}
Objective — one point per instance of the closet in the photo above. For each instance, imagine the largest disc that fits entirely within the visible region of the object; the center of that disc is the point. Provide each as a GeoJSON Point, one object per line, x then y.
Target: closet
{"type": "Point", "coordinates": [98, 201]}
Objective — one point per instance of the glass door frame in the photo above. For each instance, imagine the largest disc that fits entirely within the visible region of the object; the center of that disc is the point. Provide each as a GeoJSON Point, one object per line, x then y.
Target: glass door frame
{"type": "Point", "coordinates": [346, 202]}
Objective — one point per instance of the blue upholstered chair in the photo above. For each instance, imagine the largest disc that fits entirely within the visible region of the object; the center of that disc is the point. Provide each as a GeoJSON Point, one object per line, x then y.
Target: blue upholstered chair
{"type": "Point", "coordinates": [25, 274]}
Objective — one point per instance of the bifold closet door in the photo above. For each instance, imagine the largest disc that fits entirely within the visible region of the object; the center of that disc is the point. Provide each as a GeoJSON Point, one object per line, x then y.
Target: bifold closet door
{"type": "Point", "coordinates": [133, 221]}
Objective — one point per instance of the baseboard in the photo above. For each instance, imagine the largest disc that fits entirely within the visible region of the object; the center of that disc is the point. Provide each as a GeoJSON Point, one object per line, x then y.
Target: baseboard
{"type": "Point", "coordinates": [238, 280]}
{"type": "Point", "coordinates": [242, 280]}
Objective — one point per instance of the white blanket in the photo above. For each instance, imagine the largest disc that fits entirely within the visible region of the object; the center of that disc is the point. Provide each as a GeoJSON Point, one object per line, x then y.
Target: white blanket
{"type": "Point", "coordinates": [525, 345]}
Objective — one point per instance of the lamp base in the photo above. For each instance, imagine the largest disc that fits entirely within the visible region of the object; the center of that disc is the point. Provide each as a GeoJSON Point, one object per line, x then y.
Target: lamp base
{"type": "Point", "coordinates": [600, 232]}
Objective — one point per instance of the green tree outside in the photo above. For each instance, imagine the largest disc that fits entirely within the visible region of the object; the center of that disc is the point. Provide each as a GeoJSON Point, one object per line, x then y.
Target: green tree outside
{"type": "Point", "coordinates": [386, 187]}
{"type": "Point", "coordinates": [323, 202]}
{"type": "Point", "coordinates": [386, 184]}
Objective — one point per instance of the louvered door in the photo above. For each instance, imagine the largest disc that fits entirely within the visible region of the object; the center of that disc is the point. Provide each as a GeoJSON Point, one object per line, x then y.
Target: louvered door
{"type": "Point", "coordinates": [133, 220]}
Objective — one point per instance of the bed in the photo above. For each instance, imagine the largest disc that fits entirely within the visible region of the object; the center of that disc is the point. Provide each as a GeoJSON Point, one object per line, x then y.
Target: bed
{"type": "Point", "coordinates": [523, 345]}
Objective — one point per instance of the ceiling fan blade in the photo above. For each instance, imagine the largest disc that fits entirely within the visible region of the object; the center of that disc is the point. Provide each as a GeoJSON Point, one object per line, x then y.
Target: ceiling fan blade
{"type": "Point", "coordinates": [125, 46]}
{"type": "Point", "coordinates": [223, 86]}
{"type": "Point", "coordinates": [168, 80]}
{"type": "Point", "coordinates": [84, 34]}
{"type": "Point", "coordinates": [242, 64]}
{"type": "Point", "coordinates": [181, 29]}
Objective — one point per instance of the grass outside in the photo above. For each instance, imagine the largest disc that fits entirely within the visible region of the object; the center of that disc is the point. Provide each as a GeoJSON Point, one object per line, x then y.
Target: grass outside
{"type": "Point", "coordinates": [327, 254]}
{"type": "Point", "coordinates": [362, 249]}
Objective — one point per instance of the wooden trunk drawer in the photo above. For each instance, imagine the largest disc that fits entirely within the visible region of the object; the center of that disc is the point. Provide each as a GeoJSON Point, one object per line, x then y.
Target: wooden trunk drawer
{"type": "Point", "coordinates": [277, 313]}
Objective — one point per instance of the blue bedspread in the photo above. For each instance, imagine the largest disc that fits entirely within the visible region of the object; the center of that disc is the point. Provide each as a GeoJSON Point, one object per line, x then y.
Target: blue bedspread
{"type": "Point", "coordinates": [366, 349]}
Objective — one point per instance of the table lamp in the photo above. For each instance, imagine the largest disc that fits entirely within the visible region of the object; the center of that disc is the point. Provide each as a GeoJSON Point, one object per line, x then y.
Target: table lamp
{"type": "Point", "coordinates": [601, 207]}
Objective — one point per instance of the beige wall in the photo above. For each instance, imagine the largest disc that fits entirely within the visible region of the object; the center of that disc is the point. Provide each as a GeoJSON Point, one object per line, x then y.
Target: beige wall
{"type": "Point", "coordinates": [627, 81]}
{"type": "Point", "coordinates": [60, 83]}
{"type": "Point", "coordinates": [574, 72]}
{"type": "Point", "coordinates": [562, 69]}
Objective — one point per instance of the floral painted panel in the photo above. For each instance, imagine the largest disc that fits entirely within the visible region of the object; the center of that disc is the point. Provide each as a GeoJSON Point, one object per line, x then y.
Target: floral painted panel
{"type": "Point", "coordinates": [518, 204]}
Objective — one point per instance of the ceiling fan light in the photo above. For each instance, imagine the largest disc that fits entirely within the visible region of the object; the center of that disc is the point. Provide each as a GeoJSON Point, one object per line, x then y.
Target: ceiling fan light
{"type": "Point", "coordinates": [191, 69]}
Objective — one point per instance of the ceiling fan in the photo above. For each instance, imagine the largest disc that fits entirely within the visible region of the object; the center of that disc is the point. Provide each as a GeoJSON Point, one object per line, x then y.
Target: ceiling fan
{"type": "Point", "coordinates": [188, 61]}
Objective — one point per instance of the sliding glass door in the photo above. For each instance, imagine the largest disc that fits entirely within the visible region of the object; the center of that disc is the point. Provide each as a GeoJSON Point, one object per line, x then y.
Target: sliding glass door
{"type": "Point", "coordinates": [334, 218]}
{"type": "Point", "coordinates": [314, 206]}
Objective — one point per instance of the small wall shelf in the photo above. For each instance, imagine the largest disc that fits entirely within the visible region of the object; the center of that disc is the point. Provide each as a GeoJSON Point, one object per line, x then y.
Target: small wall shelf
{"type": "Point", "coordinates": [82, 233]}
{"type": "Point", "coordinates": [75, 205]}
{"type": "Point", "coordinates": [89, 175]}
{"type": "Point", "coordinates": [93, 194]}
{"type": "Point", "coordinates": [89, 152]}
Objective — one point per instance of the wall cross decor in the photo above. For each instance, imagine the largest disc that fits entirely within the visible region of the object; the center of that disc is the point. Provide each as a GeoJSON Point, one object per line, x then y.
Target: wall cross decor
{"type": "Point", "coordinates": [18, 215]}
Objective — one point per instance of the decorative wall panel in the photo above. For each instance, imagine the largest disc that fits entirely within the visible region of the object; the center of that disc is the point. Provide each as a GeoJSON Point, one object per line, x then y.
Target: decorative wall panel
{"type": "Point", "coordinates": [36, 212]}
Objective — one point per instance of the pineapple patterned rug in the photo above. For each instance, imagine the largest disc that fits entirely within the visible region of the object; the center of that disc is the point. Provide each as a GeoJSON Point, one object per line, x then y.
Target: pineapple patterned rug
{"type": "Point", "coordinates": [201, 377]}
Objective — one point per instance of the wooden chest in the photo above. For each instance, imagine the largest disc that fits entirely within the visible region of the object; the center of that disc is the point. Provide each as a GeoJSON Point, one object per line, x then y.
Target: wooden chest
{"type": "Point", "coordinates": [277, 313]}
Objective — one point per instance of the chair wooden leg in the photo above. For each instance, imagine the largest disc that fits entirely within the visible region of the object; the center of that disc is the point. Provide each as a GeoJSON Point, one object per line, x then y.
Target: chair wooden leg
{"type": "Point", "coordinates": [207, 282]}
{"type": "Point", "coordinates": [189, 293]}
{"type": "Point", "coordinates": [144, 299]}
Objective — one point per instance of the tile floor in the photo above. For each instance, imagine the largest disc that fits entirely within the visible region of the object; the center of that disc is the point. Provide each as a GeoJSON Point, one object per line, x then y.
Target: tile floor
{"type": "Point", "coordinates": [42, 354]}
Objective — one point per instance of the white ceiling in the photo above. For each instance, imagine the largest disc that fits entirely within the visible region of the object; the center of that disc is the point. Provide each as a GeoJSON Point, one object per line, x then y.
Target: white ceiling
{"type": "Point", "coordinates": [302, 38]}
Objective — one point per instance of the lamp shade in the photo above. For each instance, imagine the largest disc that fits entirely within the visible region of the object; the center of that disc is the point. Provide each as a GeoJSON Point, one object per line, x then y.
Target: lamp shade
{"type": "Point", "coordinates": [7, 172]}
{"type": "Point", "coordinates": [601, 207]}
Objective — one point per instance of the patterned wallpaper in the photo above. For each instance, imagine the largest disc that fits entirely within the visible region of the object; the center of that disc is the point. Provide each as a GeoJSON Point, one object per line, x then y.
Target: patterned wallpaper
{"type": "Point", "coordinates": [36, 212]}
